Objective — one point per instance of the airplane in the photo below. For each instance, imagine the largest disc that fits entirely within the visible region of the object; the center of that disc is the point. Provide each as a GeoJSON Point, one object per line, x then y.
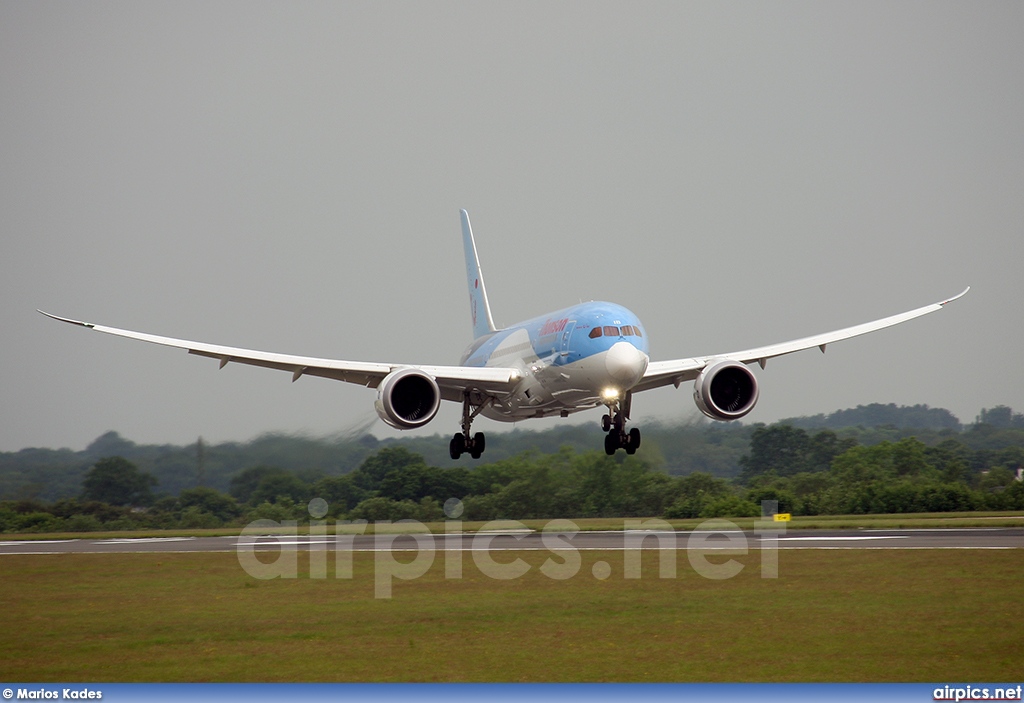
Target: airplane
{"type": "Point", "coordinates": [578, 358]}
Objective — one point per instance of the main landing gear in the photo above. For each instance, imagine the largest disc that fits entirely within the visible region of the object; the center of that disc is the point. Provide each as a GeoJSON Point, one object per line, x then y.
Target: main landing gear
{"type": "Point", "coordinates": [465, 443]}
{"type": "Point", "coordinates": [615, 425]}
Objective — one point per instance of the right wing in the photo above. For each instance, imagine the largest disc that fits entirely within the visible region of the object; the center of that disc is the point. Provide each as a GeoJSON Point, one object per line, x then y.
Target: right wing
{"type": "Point", "coordinates": [663, 373]}
{"type": "Point", "coordinates": [452, 380]}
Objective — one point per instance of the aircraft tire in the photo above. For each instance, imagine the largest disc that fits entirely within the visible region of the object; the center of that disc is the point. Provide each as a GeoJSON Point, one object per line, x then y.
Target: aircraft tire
{"type": "Point", "coordinates": [457, 446]}
{"type": "Point", "coordinates": [611, 443]}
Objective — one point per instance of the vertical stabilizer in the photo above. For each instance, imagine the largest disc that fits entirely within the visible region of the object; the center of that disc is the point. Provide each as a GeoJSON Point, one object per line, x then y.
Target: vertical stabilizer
{"type": "Point", "coordinates": [483, 323]}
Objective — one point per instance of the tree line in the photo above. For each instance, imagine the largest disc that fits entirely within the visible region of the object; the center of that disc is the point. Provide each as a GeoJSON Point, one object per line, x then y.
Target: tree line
{"type": "Point", "coordinates": [677, 448]}
{"type": "Point", "coordinates": [807, 472]}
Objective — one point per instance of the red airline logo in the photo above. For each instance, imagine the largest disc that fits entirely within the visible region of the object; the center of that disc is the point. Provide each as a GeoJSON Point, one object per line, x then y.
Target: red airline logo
{"type": "Point", "coordinates": [553, 326]}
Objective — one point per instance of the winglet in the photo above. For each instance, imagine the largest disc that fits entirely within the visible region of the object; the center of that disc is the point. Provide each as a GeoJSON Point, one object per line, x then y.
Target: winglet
{"type": "Point", "coordinates": [67, 320]}
{"type": "Point", "coordinates": [483, 323]}
{"type": "Point", "coordinates": [955, 297]}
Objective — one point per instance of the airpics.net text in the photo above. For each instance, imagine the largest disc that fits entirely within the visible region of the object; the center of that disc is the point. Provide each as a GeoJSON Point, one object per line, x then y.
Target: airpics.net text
{"type": "Point", "coordinates": [720, 538]}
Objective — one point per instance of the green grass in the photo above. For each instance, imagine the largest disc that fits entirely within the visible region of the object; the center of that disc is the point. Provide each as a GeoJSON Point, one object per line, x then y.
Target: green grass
{"type": "Point", "coordinates": [918, 520]}
{"type": "Point", "coordinates": [843, 615]}
{"type": "Point", "coordinates": [902, 520]}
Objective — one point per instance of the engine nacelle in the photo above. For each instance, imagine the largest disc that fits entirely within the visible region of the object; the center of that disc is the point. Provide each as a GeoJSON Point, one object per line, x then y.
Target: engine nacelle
{"type": "Point", "coordinates": [407, 398]}
{"type": "Point", "coordinates": [725, 390]}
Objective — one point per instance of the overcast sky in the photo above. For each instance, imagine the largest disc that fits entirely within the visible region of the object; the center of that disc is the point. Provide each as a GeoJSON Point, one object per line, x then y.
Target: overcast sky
{"type": "Point", "coordinates": [288, 177]}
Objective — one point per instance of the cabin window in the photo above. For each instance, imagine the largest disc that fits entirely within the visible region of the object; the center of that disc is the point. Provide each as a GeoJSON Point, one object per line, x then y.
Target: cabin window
{"type": "Point", "coordinates": [610, 331]}
{"type": "Point", "coordinates": [595, 333]}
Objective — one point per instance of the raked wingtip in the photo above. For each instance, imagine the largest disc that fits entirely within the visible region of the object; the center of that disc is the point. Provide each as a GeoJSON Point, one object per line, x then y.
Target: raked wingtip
{"type": "Point", "coordinates": [956, 297]}
{"type": "Point", "coordinates": [65, 319]}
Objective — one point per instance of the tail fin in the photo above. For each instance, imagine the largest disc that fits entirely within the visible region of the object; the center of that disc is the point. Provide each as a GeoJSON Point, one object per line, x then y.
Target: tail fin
{"type": "Point", "coordinates": [483, 323]}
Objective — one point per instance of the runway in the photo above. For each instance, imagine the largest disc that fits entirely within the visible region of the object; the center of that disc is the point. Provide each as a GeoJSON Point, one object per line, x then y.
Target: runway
{"type": "Point", "coordinates": [939, 538]}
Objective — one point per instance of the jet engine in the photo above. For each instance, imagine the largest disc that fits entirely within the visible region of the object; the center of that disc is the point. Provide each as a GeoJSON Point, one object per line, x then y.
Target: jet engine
{"type": "Point", "coordinates": [407, 398]}
{"type": "Point", "coordinates": [725, 390]}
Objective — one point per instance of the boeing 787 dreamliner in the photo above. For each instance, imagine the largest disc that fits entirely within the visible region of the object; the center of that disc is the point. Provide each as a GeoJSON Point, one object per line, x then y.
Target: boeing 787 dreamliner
{"type": "Point", "coordinates": [586, 356]}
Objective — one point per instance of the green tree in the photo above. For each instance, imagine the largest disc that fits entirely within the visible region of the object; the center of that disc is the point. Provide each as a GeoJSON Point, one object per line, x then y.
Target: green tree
{"type": "Point", "coordinates": [285, 510]}
{"type": "Point", "coordinates": [1000, 416]}
{"type": "Point", "coordinates": [194, 516]}
{"type": "Point", "coordinates": [619, 486]}
{"type": "Point", "coordinates": [951, 460]}
{"type": "Point", "coordinates": [787, 502]}
{"type": "Point", "coordinates": [784, 450]}
{"type": "Point", "coordinates": [207, 500]}
{"type": "Point", "coordinates": [823, 448]}
{"type": "Point", "coordinates": [275, 487]}
{"type": "Point", "coordinates": [244, 484]}
{"type": "Point", "coordinates": [409, 482]}
{"type": "Point", "coordinates": [341, 493]}
{"type": "Point", "coordinates": [117, 481]}
{"type": "Point", "coordinates": [864, 464]}
{"type": "Point", "coordinates": [693, 493]}
{"type": "Point", "coordinates": [997, 478]}
{"type": "Point", "coordinates": [379, 508]}
{"type": "Point", "coordinates": [103, 512]}
{"type": "Point", "coordinates": [778, 449]}
{"type": "Point", "coordinates": [909, 457]}
{"type": "Point", "coordinates": [371, 472]}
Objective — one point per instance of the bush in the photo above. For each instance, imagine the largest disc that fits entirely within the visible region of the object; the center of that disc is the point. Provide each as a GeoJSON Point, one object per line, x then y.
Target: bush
{"type": "Point", "coordinates": [38, 522]}
{"type": "Point", "coordinates": [121, 523]}
{"type": "Point", "coordinates": [380, 509]}
{"type": "Point", "coordinates": [686, 507]}
{"type": "Point", "coordinates": [82, 523]}
{"type": "Point", "coordinates": [8, 519]}
{"type": "Point", "coordinates": [731, 506]}
{"type": "Point", "coordinates": [480, 507]}
{"type": "Point", "coordinates": [788, 502]}
{"type": "Point", "coordinates": [210, 502]}
{"type": "Point", "coordinates": [195, 517]}
{"type": "Point", "coordinates": [278, 512]}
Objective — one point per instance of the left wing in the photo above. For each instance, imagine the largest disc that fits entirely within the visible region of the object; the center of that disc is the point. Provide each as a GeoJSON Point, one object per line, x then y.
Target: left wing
{"type": "Point", "coordinates": [452, 380]}
{"type": "Point", "coordinates": [663, 373]}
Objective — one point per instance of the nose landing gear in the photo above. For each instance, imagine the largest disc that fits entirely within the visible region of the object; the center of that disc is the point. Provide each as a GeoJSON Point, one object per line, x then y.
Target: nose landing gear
{"type": "Point", "coordinates": [614, 424]}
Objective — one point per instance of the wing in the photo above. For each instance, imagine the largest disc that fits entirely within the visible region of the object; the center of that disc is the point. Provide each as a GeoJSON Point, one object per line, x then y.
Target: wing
{"type": "Point", "coordinates": [452, 380]}
{"type": "Point", "coordinates": [663, 373]}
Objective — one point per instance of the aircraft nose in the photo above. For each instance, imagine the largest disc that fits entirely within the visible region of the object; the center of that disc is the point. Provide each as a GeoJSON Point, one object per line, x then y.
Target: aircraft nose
{"type": "Point", "coordinates": [625, 364]}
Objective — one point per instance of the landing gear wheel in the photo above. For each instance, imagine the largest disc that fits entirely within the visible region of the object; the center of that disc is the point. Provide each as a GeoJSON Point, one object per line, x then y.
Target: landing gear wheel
{"type": "Point", "coordinates": [606, 423]}
{"type": "Point", "coordinates": [477, 445]}
{"type": "Point", "coordinates": [457, 446]}
{"type": "Point", "coordinates": [633, 441]}
{"type": "Point", "coordinates": [611, 443]}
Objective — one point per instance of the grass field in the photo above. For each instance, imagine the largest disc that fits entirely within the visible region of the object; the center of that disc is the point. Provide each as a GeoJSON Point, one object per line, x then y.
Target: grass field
{"type": "Point", "coordinates": [842, 615]}
{"type": "Point", "coordinates": [836, 522]}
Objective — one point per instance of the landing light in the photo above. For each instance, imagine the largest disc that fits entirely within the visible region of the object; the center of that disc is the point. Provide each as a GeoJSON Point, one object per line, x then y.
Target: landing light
{"type": "Point", "coordinates": [610, 393]}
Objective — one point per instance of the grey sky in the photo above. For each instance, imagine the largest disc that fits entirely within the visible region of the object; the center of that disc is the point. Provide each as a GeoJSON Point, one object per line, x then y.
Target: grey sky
{"type": "Point", "coordinates": [288, 177]}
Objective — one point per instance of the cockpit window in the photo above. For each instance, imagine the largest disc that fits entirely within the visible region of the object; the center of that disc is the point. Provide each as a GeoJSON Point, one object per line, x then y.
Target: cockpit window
{"type": "Point", "coordinates": [612, 331]}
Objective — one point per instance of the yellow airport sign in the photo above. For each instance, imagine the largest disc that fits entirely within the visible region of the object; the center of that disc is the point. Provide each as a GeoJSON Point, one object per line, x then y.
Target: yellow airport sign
{"type": "Point", "coordinates": [782, 517]}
